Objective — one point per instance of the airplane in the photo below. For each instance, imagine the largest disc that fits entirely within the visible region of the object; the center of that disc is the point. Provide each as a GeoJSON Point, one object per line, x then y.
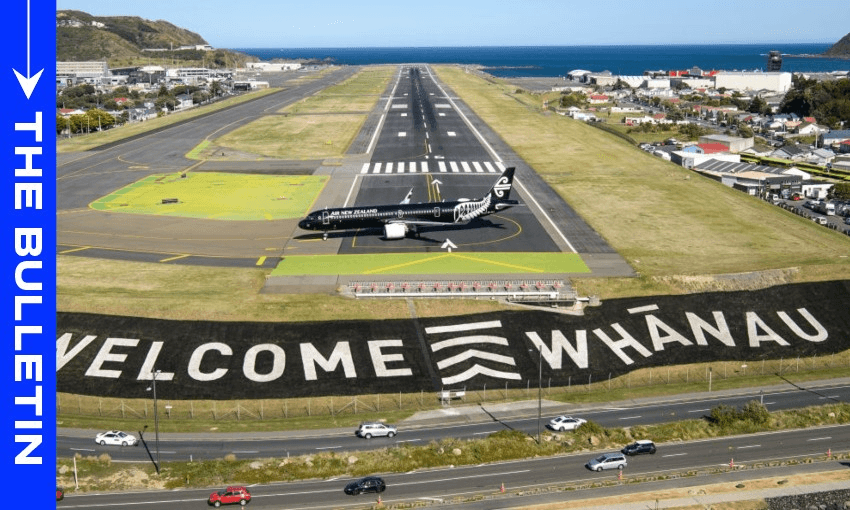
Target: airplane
{"type": "Point", "coordinates": [397, 220]}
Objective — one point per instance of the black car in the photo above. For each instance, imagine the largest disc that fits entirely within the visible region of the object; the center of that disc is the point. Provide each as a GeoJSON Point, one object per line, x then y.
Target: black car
{"type": "Point", "coordinates": [369, 484]}
{"type": "Point", "coordinates": [638, 447]}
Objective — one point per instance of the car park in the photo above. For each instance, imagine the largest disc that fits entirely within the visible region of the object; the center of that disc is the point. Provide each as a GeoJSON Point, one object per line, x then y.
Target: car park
{"type": "Point", "coordinates": [374, 484]}
{"type": "Point", "coordinates": [116, 437]}
{"type": "Point", "coordinates": [607, 461]}
{"type": "Point", "coordinates": [639, 447]}
{"type": "Point", "coordinates": [562, 423]}
{"type": "Point", "coordinates": [369, 430]}
{"type": "Point", "coordinates": [847, 220]}
{"type": "Point", "coordinates": [230, 496]}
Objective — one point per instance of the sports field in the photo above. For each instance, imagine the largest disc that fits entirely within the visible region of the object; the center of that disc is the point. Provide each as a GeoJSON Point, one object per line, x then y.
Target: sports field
{"type": "Point", "coordinates": [431, 264]}
{"type": "Point", "coordinates": [213, 195]}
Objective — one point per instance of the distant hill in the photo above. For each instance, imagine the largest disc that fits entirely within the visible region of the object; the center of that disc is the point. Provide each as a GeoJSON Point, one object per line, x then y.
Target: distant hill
{"type": "Point", "coordinates": [839, 49]}
{"type": "Point", "coordinates": [83, 37]}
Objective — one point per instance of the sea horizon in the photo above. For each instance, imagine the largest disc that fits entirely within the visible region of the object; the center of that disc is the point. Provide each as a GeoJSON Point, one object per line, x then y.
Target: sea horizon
{"type": "Point", "coordinates": [553, 61]}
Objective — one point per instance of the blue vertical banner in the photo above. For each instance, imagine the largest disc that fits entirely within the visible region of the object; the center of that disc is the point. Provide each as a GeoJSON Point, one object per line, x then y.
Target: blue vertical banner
{"type": "Point", "coordinates": [28, 250]}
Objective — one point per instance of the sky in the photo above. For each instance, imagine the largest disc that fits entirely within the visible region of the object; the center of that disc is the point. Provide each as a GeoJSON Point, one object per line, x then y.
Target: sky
{"type": "Point", "coordinates": [400, 23]}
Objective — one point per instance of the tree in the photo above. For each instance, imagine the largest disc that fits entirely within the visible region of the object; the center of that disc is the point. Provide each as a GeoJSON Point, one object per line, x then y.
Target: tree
{"type": "Point", "coordinates": [757, 105]}
{"type": "Point", "coordinates": [841, 191]}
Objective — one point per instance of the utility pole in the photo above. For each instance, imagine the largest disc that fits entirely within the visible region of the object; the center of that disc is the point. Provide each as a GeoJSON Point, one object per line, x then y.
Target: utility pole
{"type": "Point", "coordinates": [155, 418]}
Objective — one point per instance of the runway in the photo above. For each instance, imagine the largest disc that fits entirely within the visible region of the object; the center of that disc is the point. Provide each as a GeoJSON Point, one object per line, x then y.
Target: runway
{"type": "Point", "coordinates": [419, 136]}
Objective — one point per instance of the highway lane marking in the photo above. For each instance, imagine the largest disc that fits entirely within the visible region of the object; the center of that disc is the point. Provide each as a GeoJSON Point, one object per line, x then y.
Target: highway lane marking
{"type": "Point", "coordinates": [245, 451]}
{"type": "Point", "coordinates": [482, 433]}
{"type": "Point", "coordinates": [748, 446]}
{"type": "Point", "coordinates": [630, 417]}
{"type": "Point", "coordinates": [329, 447]}
{"type": "Point", "coordinates": [699, 410]}
{"type": "Point", "coordinates": [674, 455]}
{"type": "Point", "coordinates": [408, 441]}
{"type": "Point", "coordinates": [82, 449]}
{"type": "Point", "coordinates": [819, 438]}
{"type": "Point", "coordinates": [829, 396]}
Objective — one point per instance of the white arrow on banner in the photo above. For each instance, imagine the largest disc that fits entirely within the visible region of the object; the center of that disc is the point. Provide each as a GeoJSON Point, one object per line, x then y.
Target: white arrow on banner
{"type": "Point", "coordinates": [29, 82]}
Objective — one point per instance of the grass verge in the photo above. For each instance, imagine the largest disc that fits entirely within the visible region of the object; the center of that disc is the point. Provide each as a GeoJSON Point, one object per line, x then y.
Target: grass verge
{"type": "Point", "coordinates": [100, 474]}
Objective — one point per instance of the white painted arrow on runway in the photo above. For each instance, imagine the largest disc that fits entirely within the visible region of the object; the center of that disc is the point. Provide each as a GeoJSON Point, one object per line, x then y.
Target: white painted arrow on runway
{"type": "Point", "coordinates": [448, 244]}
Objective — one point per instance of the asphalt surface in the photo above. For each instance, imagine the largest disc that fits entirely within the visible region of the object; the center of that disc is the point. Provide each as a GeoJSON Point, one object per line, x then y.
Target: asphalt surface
{"type": "Point", "coordinates": [420, 136]}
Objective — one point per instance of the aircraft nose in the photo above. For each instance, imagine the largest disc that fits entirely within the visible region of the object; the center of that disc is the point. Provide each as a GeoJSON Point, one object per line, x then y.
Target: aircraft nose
{"type": "Point", "coordinates": [304, 224]}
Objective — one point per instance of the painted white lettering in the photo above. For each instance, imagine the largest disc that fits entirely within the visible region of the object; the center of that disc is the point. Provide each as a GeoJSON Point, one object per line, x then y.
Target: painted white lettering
{"type": "Point", "coordinates": [19, 275]}
{"type": "Point", "coordinates": [340, 355]}
{"type": "Point", "coordinates": [249, 365]}
{"type": "Point", "coordinates": [560, 344]}
{"type": "Point", "coordinates": [754, 324]}
{"type": "Point", "coordinates": [105, 354]}
{"type": "Point", "coordinates": [63, 356]}
{"type": "Point", "coordinates": [198, 355]}
{"type": "Point", "coordinates": [626, 340]}
{"type": "Point", "coordinates": [380, 360]}
{"type": "Point", "coordinates": [146, 373]}
{"type": "Point", "coordinates": [820, 332]}
{"type": "Point", "coordinates": [654, 324]}
{"type": "Point", "coordinates": [699, 327]}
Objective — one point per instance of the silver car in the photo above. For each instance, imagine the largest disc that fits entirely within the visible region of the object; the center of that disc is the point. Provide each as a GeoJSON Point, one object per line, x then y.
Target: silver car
{"type": "Point", "coordinates": [607, 461]}
{"type": "Point", "coordinates": [373, 429]}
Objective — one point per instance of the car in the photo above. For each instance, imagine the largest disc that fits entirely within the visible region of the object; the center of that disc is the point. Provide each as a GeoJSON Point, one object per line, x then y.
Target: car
{"type": "Point", "coordinates": [847, 220]}
{"type": "Point", "coordinates": [607, 461]}
{"type": "Point", "coordinates": [116, 437]}
{"type": "Point", "coordinates": [374, 429]}
{"type": "Point", "coordinates": [639, 447]}
{"type": "Point", "coordinates": [230, 496]}
{"type": "Point", "coordinates": [562, 423]}
{"type": "Point", "coordinates": [369, 484]}
{"type": "Point", "coordinates": [60, 493]}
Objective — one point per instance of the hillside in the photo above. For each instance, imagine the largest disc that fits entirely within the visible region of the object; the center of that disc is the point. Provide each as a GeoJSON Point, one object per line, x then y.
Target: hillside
{"type": "Point", "coordinates": [839, 49]}
{"type": "Point", "coordinates": [121, 39]}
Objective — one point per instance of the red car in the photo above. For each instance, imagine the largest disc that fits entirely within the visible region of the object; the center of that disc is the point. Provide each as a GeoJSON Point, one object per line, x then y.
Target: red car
{"type": "Point", "coordinates": [230, 496]}
{"type": "Point", "coordinates": [60, 493]}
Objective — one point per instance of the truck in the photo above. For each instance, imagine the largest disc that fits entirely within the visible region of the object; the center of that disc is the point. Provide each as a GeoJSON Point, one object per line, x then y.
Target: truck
{"type": "Point", "coordinates": [825, 207]}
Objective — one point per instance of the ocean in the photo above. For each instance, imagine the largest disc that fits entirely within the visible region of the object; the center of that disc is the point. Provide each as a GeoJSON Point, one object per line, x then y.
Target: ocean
{"type": "Point", "coordinates": [549, 61]}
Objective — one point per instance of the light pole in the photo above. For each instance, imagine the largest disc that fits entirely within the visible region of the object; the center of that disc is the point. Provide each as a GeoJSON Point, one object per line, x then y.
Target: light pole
{"type": "Point", "coordinates": [155, 418]}
{"type": "Point", "coordinates": [539, 389]}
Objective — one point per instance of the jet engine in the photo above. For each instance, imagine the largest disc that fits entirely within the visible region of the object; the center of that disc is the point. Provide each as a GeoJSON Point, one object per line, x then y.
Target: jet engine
{"type": "Point", "coordinates": [395, 230]}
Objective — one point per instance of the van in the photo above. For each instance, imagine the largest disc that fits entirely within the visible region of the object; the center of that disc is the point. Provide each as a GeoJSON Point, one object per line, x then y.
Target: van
{"type": "Point", "coordinates": [820, 220]}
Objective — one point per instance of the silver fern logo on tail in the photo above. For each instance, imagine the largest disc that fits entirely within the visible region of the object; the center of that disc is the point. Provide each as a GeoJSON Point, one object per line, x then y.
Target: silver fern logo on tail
{"type": "Point", "coordinates": [502, 189]}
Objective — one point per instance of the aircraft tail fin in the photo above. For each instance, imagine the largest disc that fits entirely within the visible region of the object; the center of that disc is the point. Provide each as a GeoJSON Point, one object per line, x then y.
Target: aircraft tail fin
{"type": "Point", "coordinates": [502, 189]}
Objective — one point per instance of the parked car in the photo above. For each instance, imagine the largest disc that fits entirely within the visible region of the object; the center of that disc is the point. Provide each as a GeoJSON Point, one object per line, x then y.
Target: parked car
{"type": "Point", "coordinates": [369, 484]}
{"type": "Point", "coordinates": [639, 447]}
{"type": "Point", "coordinates": [370, 429]}
{"type": "Point", "coordinates": [607, 461]}
{"type": "Point", "coordinates": [847, 220]}
{"type": "Point", "coordinates": [562, 423]}
{"type": "Point", "coordinates": [820, 220]}
{"type": "Point", "coordinates": [116, 437]}
{"type": "Point", "coordinates": [230, 496]}
{"type": "Point", "coordinates": [60, 493]}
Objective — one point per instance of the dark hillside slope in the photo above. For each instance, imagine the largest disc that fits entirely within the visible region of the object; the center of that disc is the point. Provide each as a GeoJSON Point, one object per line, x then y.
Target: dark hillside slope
{"type": "Point", "coordinates": [839, 49]}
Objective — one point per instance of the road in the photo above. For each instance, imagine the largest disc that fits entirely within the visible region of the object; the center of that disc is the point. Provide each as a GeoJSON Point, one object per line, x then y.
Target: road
{"type": "Point", "coordinates": [461, 482]}
{"type": "Point", "coordinates": [175, 447]}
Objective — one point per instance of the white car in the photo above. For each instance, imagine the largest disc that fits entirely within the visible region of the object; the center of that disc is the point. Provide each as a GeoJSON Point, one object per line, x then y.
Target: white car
{"type": "Point", "coordinates": [116, 437]}
{"type": "Point", "coordinates": [562, 423]}
{"type": "Point", "coordinates": [370, 429]}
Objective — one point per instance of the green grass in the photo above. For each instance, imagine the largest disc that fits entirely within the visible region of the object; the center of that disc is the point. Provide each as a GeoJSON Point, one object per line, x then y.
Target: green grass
{"type": "Point", "coordinates": [214, 195]}
{"type": "Point", "coordinates": [431, 263]}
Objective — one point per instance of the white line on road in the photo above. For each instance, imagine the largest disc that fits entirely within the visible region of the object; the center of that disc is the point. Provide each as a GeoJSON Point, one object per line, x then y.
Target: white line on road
{"type": "Point", "coordinates": [241, 451]}
{"type": "Point", "coordinates": [482, 433]}
{"type": "Point", "coordinates": [329, 447]}
{"type": "Point", "coordinates": [82, 449]}
{"type": "Point", "coordinates": [749, 446]}
{"type": "Point", "coordinates": [674, 455]}
{"type": "Point", "coordinates": [408, 441]}
{"type": "Point", "coordinates": [630, 417]}
{"type": "Point", "coordinates": [819, 438]}
{"type": "Point", "coordinates": [699, 410]}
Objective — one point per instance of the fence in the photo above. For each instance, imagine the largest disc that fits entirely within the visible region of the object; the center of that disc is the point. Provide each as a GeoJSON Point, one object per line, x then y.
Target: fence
{"type": "Point", "coordinates": [697, 377]}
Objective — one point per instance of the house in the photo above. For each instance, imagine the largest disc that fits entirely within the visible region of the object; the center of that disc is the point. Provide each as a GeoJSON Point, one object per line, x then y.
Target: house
{"type": "Point", "coordinates": [833, 137]}
{"type": "Point", "coordinates": [598, 99]}
{"type": "Point", "coordinates": [184, 101]}
{"type": "Point", "coordinates": [734, 143]}
{"type": "Point", "coordinates": [821, 157]}
{"type": "Point", "coordinates": [807, 129]}
{"type": "Point", "coordinates": [792, 152]}
{"type": "Point", "coordinates": [844, 147]}
{"type": "Point", "coordinates": [759, 150]}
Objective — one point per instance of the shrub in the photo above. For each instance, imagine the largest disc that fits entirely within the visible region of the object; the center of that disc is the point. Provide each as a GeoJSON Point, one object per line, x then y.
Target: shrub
{"type": "Point", "coordinates": [755, 412]}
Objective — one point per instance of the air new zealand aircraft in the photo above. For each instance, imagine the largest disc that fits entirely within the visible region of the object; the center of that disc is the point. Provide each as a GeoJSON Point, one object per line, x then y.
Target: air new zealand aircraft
{"type": "Point", "coordinates": [400, 219]}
